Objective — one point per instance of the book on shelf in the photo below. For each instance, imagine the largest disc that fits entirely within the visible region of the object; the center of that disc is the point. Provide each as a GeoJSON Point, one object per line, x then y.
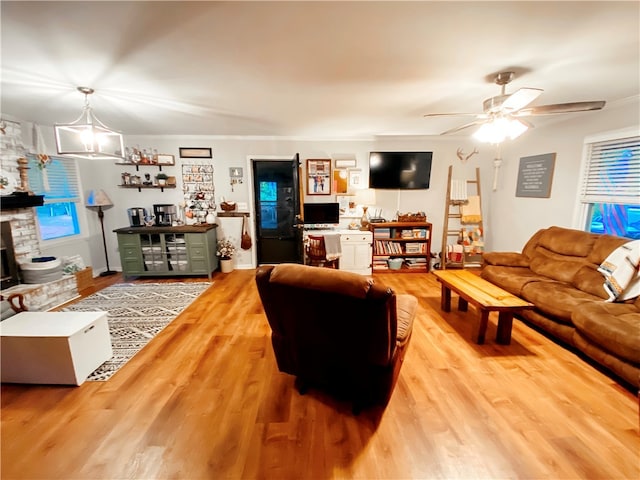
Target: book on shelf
{"type": "Point", "coordinates": [416, 248]}
{"type": "Point", "coordinates": [382, 233]}
{"type": "Point", "coordinates": [386, 247]}
{"type": "Point", "coordinates": [416, 263]}
{"type": "Point", "coordinates": [420, 233]}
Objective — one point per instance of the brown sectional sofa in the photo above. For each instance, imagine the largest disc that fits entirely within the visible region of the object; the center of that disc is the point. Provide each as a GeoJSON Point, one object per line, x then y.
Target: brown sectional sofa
{"type": "Point", "coordinates": [557, 272]}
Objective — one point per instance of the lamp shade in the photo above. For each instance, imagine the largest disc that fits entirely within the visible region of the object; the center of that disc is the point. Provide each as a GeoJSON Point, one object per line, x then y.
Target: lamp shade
{"type": "Point", "coordinates": [98, 198]}
{"type": "Point", "coordinates": [365, 196]}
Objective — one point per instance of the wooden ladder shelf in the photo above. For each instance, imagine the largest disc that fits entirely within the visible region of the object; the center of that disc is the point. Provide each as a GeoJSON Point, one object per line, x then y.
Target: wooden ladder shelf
{"type": "Point", "coordinates": [453, 212]}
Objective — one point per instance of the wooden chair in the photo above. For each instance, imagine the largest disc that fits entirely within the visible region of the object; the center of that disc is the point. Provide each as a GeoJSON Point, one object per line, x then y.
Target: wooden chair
{"type": "Point", "coordinates": [317, 253]}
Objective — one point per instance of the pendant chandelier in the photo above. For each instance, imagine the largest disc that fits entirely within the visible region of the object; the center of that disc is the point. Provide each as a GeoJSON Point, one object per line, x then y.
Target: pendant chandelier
{"type": "Point", "coordinates": [87, 136]}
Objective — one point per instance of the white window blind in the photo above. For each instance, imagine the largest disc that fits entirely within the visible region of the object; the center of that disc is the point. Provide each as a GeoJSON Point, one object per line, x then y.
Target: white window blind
{"type": "Point", "coordinates": [58, 182]}
{"type": "Point", "coordinates": [612, 172]}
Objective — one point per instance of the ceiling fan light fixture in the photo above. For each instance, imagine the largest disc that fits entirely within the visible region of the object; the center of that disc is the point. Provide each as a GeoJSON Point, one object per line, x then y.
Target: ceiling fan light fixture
{"type": "Point", "coordinates": [499, 129]}
{"type": "Point", "coordinates": [87, 136]}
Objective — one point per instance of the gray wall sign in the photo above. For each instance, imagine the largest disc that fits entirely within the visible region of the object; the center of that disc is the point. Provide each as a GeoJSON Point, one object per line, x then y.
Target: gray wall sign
{"type": "Point", "coordinates": [535, 175]}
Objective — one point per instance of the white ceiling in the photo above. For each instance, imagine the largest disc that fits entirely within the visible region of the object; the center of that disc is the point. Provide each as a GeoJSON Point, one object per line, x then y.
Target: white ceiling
{"type": "Point", "coordinates": [310, 69]}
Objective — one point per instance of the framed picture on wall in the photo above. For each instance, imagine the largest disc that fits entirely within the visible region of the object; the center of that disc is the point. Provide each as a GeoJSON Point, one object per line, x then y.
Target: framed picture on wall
{"type": "Point", "coordinates": [195, 152]}
{"type": "Point", "coordinates": [355, 179]}
{"type": "Point", "coordinates": [347, 205]}
{"type": "Point", "coordinates": [345, 162]}
{"type": "Point", "coordinates": [319, 177]}
{"type": "Point", "coordinates": [340, 180]}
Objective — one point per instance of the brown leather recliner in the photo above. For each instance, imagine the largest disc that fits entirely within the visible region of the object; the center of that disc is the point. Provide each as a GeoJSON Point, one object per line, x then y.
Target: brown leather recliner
{"type": "Point", "coordinates": [337, 330]}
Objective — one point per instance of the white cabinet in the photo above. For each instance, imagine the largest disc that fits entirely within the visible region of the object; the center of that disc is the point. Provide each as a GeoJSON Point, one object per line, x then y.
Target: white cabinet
{"type": "Point", "coordinates": [355, 246]}
{"type": "Point", "coordinates": [356, 251]}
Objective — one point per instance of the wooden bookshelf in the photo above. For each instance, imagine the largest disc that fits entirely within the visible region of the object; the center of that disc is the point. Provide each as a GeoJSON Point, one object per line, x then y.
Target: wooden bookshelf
{"type": "Point", "coordinates": [410, 241]}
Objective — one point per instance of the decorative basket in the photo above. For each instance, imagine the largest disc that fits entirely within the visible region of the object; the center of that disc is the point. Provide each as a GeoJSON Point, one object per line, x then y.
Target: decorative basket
{"type": "Point", "coordinates": [228, 206]}
{"type": "Point", "coordinates": [412, 217]}
{"type": "Point", "coordinates": [84, 278]}
{"type": "Point", "coordinates": [395, 263]}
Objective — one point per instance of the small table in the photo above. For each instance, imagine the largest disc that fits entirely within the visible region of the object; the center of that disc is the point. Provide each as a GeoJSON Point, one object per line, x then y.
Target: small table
{"type": "Point", "coordinates": [486, 296]}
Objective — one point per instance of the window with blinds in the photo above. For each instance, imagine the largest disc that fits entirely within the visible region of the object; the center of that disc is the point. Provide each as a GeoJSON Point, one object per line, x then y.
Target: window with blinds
{"type": "Point", "coordinates": [610, 186]}
{"type": "Point", "coordinates": [59, 184]}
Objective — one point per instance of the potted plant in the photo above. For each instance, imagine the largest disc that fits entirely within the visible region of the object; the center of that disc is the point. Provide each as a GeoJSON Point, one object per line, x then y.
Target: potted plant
{"type": "Point", "coordinates": [161, 179]}
{"type": "Point", "coordinates": [226, 250]}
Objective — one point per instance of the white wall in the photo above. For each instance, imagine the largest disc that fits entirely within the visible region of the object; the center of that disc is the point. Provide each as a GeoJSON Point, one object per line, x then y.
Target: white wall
{"type": "Point", "coordinates": [509, 220]}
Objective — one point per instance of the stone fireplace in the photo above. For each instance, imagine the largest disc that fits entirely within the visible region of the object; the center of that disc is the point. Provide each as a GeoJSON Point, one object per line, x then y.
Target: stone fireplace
{"type": "Point", "coordinates": [20, 237]}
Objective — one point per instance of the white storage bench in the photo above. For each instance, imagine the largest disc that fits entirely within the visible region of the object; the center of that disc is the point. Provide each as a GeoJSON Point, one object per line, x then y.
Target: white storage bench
{"type": "Point", "coordinates": [53, 347]}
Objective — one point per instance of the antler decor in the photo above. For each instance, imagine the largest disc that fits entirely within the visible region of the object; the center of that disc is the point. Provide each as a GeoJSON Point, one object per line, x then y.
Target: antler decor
{"type": "Point", "coordinates": [461, 156]}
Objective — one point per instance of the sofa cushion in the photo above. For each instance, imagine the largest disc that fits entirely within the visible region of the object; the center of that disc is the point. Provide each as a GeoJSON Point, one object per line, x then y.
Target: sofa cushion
{"type": "Point", "coordinates": [556, 299]}
{"type": "Point", "coordinates": [323, 279]}
{"type": "Point", "coordinates": [512, 279]}
{"type": "Point", "coordinates": [613, 326]}
{"type": "Point", "coordinates": [590, 280]}
{"type": "Point", "coordinates": [603, 246]}
{"type": "Point", "coordinates": [561, 270]}
{"type": "Point", "coordinates": [510, 259]}
{"type": "Point", "coordinates": [624, 369]}
{"type": "Point", "coordinates": [530, 247]}
{"type": "Point", "coordinates": [565, 241]}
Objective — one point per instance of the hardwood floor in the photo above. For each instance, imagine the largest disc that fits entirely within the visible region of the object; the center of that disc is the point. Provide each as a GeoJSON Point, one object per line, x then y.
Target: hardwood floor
{"type": "Point", "coordinates": [204, 400]}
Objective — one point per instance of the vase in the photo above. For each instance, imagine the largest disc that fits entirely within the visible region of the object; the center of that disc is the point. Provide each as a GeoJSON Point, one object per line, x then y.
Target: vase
{"type": "Point", "coordinates": [226, 265]}
{"type": "Point", "coordinates": [210, 218]}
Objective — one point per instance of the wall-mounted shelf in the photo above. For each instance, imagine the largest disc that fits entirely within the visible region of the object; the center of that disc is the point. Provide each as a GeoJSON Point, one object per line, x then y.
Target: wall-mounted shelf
{"type": "Point", "coordinates": [140, 187]}
{"type": "Point", "coordinates": [233, 214]}
{"type": "Point", "coordinates": [138, 165]}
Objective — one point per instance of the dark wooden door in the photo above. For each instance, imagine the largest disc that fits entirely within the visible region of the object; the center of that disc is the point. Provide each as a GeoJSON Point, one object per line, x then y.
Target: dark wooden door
{"type": "Point", "coordinates": [277, 206]}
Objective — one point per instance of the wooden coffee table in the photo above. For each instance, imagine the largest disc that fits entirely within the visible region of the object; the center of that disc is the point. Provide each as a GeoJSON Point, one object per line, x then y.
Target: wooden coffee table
{"type": "Point", "coordinates": [485, 296]}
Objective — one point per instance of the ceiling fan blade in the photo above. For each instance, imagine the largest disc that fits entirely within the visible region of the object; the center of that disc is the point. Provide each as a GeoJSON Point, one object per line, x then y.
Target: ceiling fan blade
{"type": "Point", "coordinates": [520, 99]}
{"type": "Point", "coordinates": [462, 127]}
{"type": "Point", "coordinates": [561, 108]}
{"type": "Point", "coordinates": [479, 115]}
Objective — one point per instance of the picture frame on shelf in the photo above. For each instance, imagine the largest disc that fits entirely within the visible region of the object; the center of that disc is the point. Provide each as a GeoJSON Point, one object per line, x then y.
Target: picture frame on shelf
{"type": "Point", "coordinates": [195, 152]}
{"type": "Point", "coordinates": [319, 177]}
{"type": "Point", "coordinates": [166, 159]}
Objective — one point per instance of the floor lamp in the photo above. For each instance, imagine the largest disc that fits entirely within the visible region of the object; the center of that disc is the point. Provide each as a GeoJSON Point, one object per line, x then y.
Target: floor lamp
{"type": "Point", "coordinates": [97, 200]}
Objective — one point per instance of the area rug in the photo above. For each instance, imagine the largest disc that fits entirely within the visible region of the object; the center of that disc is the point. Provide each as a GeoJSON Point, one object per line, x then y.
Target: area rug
{"type": "Point", "coordinates": [136, 313]}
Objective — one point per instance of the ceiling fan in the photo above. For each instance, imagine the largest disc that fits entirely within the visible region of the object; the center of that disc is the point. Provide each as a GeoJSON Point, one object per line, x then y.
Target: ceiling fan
{"type": "Point", "coordinates": [514, 107]}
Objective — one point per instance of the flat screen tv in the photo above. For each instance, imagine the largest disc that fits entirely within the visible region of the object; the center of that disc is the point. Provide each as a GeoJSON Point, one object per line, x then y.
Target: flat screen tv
{"type": "Point", "coordinates": [321, 213]}
{"type": "Point", "coordinates": [400, 170]}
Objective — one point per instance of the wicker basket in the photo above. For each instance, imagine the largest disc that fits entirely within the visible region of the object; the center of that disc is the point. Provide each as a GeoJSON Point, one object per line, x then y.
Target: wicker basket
{"type": "Point", "coordinates": [84, 279]}
{"type": "Point", "coordinates": [412, 217]}
{"type": "Point", "coordinates": [228, 207]}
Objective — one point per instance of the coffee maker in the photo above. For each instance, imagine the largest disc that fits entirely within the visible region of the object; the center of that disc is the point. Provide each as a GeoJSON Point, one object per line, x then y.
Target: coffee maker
{"type": "Point", "coordinates": [136, 216]}
{"type": "Point", "coordinates": [165, 214]}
